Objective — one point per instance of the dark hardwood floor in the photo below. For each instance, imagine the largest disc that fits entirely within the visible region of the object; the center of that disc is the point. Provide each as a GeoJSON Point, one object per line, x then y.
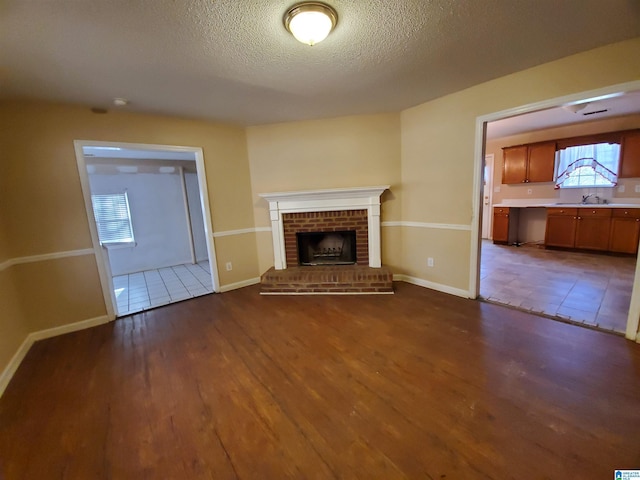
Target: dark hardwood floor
{"type": "Point", "coordinates": [418, 384]}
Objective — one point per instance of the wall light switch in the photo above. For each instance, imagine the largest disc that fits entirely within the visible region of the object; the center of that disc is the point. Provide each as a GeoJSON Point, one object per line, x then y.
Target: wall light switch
{"type": "Point", "coordinates": [430, 262]}
{"type": "Point", "coordinates": [621, 188]}
{"type": "Point", "coordinates": [229, 266]}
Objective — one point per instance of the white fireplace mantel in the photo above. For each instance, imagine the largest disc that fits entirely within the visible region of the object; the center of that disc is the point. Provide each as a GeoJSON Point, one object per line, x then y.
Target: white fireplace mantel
{"type": "Point", "coordinates": [358, 198]}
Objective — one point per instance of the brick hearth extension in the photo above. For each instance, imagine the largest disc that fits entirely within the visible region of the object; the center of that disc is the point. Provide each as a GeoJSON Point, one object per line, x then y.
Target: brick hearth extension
{"type": "Point", "coordinates": [327, 279]}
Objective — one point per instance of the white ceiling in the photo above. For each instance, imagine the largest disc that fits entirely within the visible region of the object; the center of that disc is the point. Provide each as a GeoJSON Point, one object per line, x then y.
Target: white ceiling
{"type": "Point", "coordinates": [596, 109]}
{"type": "Point", "coordinates": [233, 61]}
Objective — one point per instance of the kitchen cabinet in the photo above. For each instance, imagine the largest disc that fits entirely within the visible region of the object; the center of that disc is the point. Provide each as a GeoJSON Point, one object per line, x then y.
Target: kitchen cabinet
{"type": "Point", "coordinates": [529, 163]}
{"type": "Point", "coordinates": [505, 225]}
{"type": "Point", "coordinates": [593, 228]}
{"type": "Point", "coordinates": [561, 227]}
{"type": "Point", "coordinates": [625, 230]}
{"type": "Point", "coordinates": [630, 155]}
{"type": "Point", "coordinates": [581, 228]}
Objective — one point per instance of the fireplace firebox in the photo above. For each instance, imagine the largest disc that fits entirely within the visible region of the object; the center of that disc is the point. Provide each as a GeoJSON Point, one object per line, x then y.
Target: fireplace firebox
{"type": "Point", "coordinates": [327, 248]}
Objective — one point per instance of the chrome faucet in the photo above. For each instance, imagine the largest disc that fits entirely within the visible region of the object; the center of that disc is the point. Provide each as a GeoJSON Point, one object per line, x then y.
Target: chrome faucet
{"type": "Point", "coordinates": [585, 198]}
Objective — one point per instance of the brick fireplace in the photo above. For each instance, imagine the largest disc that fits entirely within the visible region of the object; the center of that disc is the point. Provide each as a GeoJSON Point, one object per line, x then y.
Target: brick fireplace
{"type": "Point", "coordinates": [333, 218]}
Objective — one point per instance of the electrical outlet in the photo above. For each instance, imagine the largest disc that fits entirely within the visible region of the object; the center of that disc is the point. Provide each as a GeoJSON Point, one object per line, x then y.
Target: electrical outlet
{"type": "Point", "coordinates": [638, 188]}
{"type": "Point", "coordinates": [529, 191]}
{"type": "Point", "coordinates": [229, 266]}
{"type": "Point", "coordinates": [621, 188]}
{"type": "Point", "coordinates": [430, 262]}
{"type": "Point", "coordinates": [496, 189]}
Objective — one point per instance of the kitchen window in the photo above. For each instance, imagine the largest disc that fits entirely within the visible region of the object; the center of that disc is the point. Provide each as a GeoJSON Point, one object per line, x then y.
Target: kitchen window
{"type": "Point", "coordinates": [594, 165]}
{"type": "Point", "coordinates": [113, 218]}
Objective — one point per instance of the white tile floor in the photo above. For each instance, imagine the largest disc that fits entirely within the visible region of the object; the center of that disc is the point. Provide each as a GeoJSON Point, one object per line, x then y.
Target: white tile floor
{"type": "Point", "coordinates": [153, 288]}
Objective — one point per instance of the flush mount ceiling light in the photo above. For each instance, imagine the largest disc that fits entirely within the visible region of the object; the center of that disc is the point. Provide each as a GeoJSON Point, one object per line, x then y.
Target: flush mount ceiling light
{"type": "Point", "coordinates": [576, 107]}
{"type": "Point", "coordinates": [310, 22]}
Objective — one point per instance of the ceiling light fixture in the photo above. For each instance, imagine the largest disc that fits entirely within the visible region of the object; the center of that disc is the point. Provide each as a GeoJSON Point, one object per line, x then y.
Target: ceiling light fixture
{"type": "Point", "coordinates": [310, 22]}
{"type": "Point", "coordinates": [120, 102]}
{"type": "Point", "coordinates": [576, 107]}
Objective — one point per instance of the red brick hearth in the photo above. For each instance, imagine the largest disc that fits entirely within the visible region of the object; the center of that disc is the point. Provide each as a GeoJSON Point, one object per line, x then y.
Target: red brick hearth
{"type": "Point", "coordinates": [328, 279]}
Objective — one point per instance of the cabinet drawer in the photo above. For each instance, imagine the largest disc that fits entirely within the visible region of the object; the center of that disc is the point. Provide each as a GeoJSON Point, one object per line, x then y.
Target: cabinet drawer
{"type": "Point", "coordinates": [568, 212]}
{"type": "Point", "coordinates": [501, 210]}
{"type": "Point", "coordinates": [626, 212]}
{"type": "Point", "coordinates": [594, 212]}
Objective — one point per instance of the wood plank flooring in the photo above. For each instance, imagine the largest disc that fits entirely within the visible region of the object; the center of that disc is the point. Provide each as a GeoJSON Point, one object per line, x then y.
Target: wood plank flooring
{"type": "Point", "coordinates": [418, 384]}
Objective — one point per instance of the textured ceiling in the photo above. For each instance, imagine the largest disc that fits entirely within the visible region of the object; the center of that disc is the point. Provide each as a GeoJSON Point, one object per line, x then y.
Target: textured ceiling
{"type": "Point", "coordinates": [233, 61]}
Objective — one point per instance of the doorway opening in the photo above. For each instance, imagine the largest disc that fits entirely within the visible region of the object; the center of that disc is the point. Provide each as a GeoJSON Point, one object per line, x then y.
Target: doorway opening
{"type": "Point", "coordinates": [593, 290]}
{"type": "Point", "coordinates": [149, 217]}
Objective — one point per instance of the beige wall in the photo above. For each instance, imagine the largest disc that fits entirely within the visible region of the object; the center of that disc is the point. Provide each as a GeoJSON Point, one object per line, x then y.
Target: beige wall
{"type": "Point", "coordinates": [547, 190]}
{"type": "Point", "coordinates": [44, 213]}
{"type": "Point", "coordinates": [438, 148]}
{"type": "Point", "coordinates": [344, 152]}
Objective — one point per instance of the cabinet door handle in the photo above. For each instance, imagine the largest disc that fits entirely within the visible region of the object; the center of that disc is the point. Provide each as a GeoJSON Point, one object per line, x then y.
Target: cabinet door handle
{"type": "Point", "coordinates": [579, 218]}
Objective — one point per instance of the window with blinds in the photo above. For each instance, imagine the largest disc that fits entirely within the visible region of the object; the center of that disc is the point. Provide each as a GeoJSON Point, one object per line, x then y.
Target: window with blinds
{"type": "Point", "coordinates": [113, 218]}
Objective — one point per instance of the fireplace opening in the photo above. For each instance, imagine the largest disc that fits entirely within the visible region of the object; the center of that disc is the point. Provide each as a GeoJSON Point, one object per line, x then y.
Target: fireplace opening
{"type": "Point", "coordinates": [327, 248]}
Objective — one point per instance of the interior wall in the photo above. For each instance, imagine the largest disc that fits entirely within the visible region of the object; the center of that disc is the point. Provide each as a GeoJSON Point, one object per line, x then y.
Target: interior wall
{"type": "Point", "coordinates": [438, 148]}
{"type": "Point", "coordinates": [344, 152]}
{"type": "Point", "coordinates": [547, 190]}
{"type": "Point", "coordinates": [158, 218]}
{"type": "Point", "coordinates": [46, 213]}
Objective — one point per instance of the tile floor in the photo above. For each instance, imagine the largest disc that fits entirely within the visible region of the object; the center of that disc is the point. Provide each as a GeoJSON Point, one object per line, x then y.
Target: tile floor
{"type": "Point", "coordinates": [153, 288]}
{"type": "Point", "coordinates": [590, 289]}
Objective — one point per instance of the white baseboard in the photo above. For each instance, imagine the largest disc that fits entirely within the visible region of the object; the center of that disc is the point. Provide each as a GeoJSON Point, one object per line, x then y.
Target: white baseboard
{"type": "Point", "coordinates": [235, 286]}
{"type": "Point", "coordinates": [71, 327]}
{"type": "Point", "coordinates": [18, 357]}
{"type": "Point", "coordinates": [14, 363]}
{"type": "Point", "coordinates": [432, 285]}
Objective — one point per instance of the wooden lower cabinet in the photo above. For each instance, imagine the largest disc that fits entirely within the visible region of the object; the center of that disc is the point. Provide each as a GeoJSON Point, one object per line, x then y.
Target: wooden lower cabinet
{"type": "Point", "coordinates": [624, 234]}
{"type": "Point", "coordinates": [505, 225]}
{"type": "Point", "coordinates": [561, 227]}
{"type": "Point", "coordinates": [592, 228]}
{"type": "Point", "coordinates": [601, 229]}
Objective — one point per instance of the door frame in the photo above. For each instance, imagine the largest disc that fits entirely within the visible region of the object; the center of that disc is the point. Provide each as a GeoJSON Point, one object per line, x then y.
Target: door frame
{"type": "Point", "coordinates": [104, 269]}
{"type": "Point", "coordinates": [633, 319]}
{"type": "Point", "coordinates": [487, 218]}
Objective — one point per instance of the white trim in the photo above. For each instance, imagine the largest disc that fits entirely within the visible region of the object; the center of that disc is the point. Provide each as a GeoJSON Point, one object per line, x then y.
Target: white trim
{"type": "Point", "coordinates": [45, 256]}
{"type": "Point", "coordinates": [237, 285]}
{"type": "Point", "coordinates": [481, 121]}
{"type": "Point", "coordinates": [314, 196]}
{"type": "Point", "coordinates": [18, 357]}
{"type": "Point", "coordinates": [458, 292]}
{"type": "Point", "coordinates": [439, 226]}
{"type": "Point", "coordinates": [241, 231]}
{"type": "Point", "coordinates": [71, 327]}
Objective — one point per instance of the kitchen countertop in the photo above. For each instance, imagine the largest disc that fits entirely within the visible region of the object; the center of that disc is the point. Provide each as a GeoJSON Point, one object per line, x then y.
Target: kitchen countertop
{"type": "Point", "coordinates": [566, 205]}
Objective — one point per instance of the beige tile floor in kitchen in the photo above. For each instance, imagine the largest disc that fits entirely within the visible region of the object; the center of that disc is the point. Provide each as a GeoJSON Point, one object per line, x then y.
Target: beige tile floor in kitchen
{"type": "Point", "coordinates": [591, 289]}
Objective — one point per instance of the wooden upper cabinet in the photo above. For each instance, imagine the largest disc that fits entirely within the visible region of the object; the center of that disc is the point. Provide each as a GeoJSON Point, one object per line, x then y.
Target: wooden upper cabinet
{"type": "Point", "coordinates": [529, 163]}
{"type": "Point", "coordinates": [514, 169]}
{"type": "Point", "coordinates": [542, 159]}
{"type": "Point", "coordinates": [630, 155]}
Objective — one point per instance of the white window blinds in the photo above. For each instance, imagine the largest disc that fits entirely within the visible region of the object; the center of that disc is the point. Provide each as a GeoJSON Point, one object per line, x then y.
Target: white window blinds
{"type": "Point", "coordinates": [113, 218]}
